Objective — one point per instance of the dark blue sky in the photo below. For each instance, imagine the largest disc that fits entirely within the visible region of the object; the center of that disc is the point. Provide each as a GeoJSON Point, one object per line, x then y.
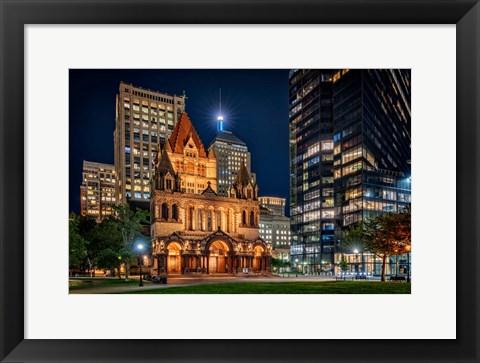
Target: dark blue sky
{"type": "Point", "coordinates": [254, 106]}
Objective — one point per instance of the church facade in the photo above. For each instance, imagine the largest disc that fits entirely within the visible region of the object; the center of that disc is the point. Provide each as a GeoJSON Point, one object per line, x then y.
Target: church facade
{"type": "Point", "coordinates": [194, 230]}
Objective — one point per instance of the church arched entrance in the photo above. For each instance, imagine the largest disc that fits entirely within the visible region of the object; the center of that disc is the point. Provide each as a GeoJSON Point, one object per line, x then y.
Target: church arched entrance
{"type": "Point", "coordinates": [258, 260]}
{"type": "Point", "coordinates": [218, 257]}
{"type": "Point", "coordinates": [174, 259]}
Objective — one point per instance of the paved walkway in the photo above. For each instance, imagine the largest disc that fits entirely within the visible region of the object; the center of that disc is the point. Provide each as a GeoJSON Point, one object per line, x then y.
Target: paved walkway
{"type": "Point", "coordinates": [191, 281]}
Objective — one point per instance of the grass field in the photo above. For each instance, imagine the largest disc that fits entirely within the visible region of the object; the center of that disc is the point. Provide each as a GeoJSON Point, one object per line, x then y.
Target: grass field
{"type": "Point", "coordinates": [324, 287]}
{"type": "Point", "coordinates": [88, 283]}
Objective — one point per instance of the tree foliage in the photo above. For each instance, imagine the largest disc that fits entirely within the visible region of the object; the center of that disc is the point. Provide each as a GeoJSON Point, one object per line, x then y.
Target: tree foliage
{"type": "Point", "coordinates": [383, 235]}
{"type": "Point", "coordinates": [130, 224]}
{"type": "Point", "coordinates": [108, 244]}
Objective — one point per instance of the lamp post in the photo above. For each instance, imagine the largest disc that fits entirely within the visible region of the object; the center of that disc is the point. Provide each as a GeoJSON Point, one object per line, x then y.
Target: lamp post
{"type": "Point", "coordinates": [408, 250]}
{"type": "Point", "coordinates": [140, 248]}
{"type": "Point", "coordinates": [356, 260]}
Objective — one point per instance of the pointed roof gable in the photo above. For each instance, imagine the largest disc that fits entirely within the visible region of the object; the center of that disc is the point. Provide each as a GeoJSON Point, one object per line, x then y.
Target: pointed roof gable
{"type": "Point", "coordinates": [208, 190]}
{"type": "Point", "coordinates": [243, 177]}
{"type": "Point", "coordinates": [182, 132]}
{"type": "Point", "coordinates": [165, 165]}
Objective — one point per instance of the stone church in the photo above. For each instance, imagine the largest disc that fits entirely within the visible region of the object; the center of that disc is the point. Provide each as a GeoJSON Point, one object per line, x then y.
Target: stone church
{"type": "Point", "coordinates": [195, 231]}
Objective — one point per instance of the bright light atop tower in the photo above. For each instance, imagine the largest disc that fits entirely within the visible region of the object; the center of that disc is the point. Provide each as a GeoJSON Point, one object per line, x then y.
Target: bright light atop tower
{"type": "Point", "coordinates": [220, 118]}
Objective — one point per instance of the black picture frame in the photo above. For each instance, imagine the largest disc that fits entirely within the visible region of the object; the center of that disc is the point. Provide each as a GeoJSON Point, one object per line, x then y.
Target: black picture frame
{"type": "Point", "coordinates": [16, 14]}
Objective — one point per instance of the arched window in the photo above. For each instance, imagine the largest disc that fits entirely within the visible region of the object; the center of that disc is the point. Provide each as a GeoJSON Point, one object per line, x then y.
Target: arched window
{"type": "Point", "coordinates": [190, 218]}
{"type": "Point", "coordinates": [164, 211]}
{"type": "Point", "coordinates": [200, 220]}
{"type": "Point", "coordinates": [174, 212]}
{"type": "Point", "coordinates": [219, 219]}
{"type": "Point", "coordinates": [252, 218]}
{"type": "Point", "coordinates": [209, 220]}
{"type": "Point", "coordinates": [244, 217]}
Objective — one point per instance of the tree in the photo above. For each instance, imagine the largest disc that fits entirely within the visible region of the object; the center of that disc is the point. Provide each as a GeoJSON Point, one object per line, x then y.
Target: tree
{"type": "Point", "coordinates": [343, 264]}
{"type": "Point", "coordinates": [354, 238]}
{"type": "Point", "coordinates": [130, 224]}
{"type": "Point", "coordinates": [387, 235]}
{"type": "Point", "coordinates": [107, 245]}
{"type": "Point", "coordinates": [383, 235]}
{"type": "Point", "coordinates": [77, 244]}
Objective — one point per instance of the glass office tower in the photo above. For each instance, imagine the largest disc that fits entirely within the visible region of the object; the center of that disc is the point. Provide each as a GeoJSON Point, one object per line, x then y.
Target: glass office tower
{"type": "Point", "coordinates": [372, 151]}
{"type": "Point", "coordinates": [311, 169]}
{"type": "Point", "coordinates": [349, 158]}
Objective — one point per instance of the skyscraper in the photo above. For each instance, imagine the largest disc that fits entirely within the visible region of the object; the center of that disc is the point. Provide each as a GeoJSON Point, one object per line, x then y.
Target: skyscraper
{"type": "Point", "coordinates": [350, 155]}
{"type": "Point", "coordinates": [97, 192]}
{"type": "Point", "coordinates": [311, 168]}
{"type": "Point", "coordinates": [372, 152]}
{"type": "Point", "coordinates": [144, 118]}
{"type": "Point", "coordinates": [230, 152]}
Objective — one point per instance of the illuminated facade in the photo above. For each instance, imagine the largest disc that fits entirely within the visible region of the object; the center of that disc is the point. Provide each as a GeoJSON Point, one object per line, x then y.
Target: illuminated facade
{"type": "Point", "coordinates": [230, 153]}
{"type": "Point", "coordinates": [275, 229]}
{"type": "Point", "coordinates": [311, 169]}
{"type": "Point", "coordinates": [276, 205]}
{"type": "Point", "coordinates": [350, 158]}
{"type": "Point", "coordinates": [194, 230]}
{"type": "Point", "coordinates": [372, 153]}
{"type": "Point", "coordinates": [97, 192]}
{"type": "Point", "coordinates": [144, 118]}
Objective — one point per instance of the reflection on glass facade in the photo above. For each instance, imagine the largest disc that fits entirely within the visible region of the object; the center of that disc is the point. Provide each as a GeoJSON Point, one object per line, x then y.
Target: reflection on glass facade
{"type": "Point", "coordinates": [350, 158]}
{"type": "Point", "coordinates": [311, 174]}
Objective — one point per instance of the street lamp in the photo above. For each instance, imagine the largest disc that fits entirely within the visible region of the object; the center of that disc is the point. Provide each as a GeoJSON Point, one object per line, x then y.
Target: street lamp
{"type": "Point", "coordinates": [408, 250]}
{"type": "Point", "coordinates": [356, 259]}
{"type": "Point", "coordinates": [140, 248]}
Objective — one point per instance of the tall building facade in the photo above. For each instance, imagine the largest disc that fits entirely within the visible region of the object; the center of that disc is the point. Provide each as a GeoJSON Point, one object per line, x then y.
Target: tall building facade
{"type": "Point", "coordinates": [372, 152]}
{"type": "Point", "coordinates": [230, 153]}
{"type": "Point", "coordinates": [97, 192]}
{"type": "Point", "coordinates": [363, 119]}
{"type": "Point", "coordinates": [275, 204]}
{"type": "Point", "coordinates": [311, 169]}
{"type": "Point", "coordinates": [194, 230]}
{"type": "Point", "coordinates": [275, 226]}
{"type": "Point", "coordinates": [144, 119]}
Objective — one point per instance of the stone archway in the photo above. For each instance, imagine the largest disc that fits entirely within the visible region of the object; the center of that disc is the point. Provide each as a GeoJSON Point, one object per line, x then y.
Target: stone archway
{"type": "Point", "coordinates": [258, 260]}
{"type": "Point", "coordinates": [218, 257]}
{"type": "Point", "coordinates": [174, 258]}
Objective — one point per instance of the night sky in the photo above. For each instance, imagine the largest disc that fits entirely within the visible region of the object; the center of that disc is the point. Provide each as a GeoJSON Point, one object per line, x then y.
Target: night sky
{"type": "Point", "coordinates": [254, 106]}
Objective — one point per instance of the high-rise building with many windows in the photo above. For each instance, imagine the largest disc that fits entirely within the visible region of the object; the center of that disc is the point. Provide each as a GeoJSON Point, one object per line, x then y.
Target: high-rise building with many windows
{"type": "Point", "coordinates": [97, 192]}
{"type": "Point", "coordinates": [275, 226]}
{"type": "Point", "coordinates": [365, 122]}
{"type": "Point", "coordinates": [144, 119]}
{"type": "Point", "coordinates": [230, 153]}
{"type": "Point", "coordinates": [311, 168]}
{"type": "Point", "coordinates": [372, 151]}
{"type": "Point", "coordinates": [276, 205]}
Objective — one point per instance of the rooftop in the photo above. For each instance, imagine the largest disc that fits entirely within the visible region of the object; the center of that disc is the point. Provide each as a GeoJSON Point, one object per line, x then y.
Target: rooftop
{"type": "Point", "coordinates": [229, 137]}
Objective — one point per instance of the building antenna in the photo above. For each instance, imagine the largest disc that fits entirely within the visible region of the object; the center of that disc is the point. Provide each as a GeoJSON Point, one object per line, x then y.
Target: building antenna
{"type": "Point", "coordinates": [220, 117]}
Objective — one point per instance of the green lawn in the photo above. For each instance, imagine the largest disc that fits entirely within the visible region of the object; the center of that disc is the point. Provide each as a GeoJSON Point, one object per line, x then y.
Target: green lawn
{"type": "Point", "coordinates": [88, 283]}
{"type": "Point", "coordinates": [324, 287]}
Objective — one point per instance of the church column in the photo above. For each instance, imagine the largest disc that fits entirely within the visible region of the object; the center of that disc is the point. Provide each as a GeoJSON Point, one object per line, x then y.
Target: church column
{"type": "Point", "coordinates": [208, 263]}
{"type": "Point", "coordinates": [194, 218]}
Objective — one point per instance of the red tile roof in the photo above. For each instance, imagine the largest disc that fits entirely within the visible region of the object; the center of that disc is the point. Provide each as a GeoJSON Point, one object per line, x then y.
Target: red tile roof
{"type": "Point", "coordinates": [181, 134]}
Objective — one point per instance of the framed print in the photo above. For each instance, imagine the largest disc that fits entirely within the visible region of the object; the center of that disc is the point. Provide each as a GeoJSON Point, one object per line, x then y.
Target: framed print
{"type": "Point", "coordinates": [257, 165]}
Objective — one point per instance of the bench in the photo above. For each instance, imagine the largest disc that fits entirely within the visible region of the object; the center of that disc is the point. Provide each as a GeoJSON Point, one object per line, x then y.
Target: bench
{"type": "Point", "coordinates": [398, 278]}
{"type": "Point", "coordinates": [360, 277]}
{"type": "Point", "coordinates": [344, 277]}
{"type": "Point", "coordinates": [159, 280]}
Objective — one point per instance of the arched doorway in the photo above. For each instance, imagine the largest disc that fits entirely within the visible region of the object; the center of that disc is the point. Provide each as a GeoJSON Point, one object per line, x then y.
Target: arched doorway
{"type": "Point", "coordinates": [218, 257]}
{"type": "Point", "coordinates": [174, 260]}
{"type": "Point", "coordinates": [258, 260]}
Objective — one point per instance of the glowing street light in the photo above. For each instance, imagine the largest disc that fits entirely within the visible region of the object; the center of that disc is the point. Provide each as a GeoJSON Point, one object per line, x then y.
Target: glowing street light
{"type": "Point", "coordinates": [140, 247]}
